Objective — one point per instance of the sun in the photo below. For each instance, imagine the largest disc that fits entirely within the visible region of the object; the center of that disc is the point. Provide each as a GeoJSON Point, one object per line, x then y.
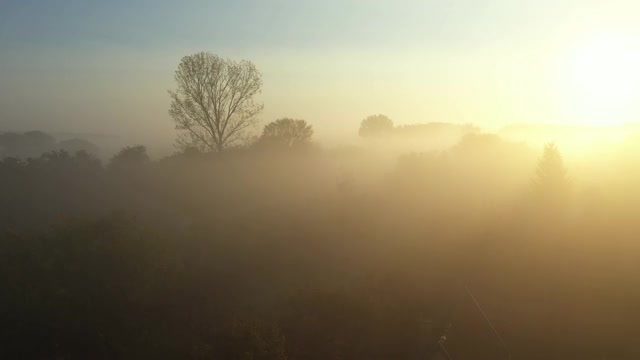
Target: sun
{"type": "Point", "coordinates": [608, 68]}
{"type": "Point", "coordinates": [603, 80]}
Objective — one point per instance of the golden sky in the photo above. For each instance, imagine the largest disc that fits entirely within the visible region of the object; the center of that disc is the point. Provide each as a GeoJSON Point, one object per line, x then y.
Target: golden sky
{"type": "Point", "coordinates": [106, 67]}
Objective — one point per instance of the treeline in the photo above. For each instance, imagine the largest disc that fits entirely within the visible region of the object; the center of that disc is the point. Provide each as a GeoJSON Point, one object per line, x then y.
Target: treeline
{"type": "Point", "coordinates": [34, 143]}
{"type": "Point", "coordinates": [275, 248]}
{"type": "Point", "coordinates": [382, 127]}
{"type": "Point", "coordinates": [275, 253]}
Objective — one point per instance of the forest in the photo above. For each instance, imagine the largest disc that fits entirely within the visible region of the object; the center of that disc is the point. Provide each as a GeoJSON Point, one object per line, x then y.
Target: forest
{"type": "Point", "coordinates": [277, 247]}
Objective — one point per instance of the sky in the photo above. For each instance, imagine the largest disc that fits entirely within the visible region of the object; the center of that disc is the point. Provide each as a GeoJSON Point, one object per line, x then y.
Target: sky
{"type": "Point", "coordinates": [106, 66]}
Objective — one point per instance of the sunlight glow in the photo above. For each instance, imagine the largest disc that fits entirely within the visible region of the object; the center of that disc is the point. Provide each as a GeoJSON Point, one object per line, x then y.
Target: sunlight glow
{"type": "Point", "coordinates": [603, 80]}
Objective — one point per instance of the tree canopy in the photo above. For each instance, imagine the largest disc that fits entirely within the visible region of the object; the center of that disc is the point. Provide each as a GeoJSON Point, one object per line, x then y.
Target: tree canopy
{"type": "Point", "coordinates": [287, 132]}
{"type": "Point", "coordinates": [24, 145]}
{"type": "Point", "coordinates": [130, 157]}
{"type": "Point", "coordinates": [375, 125]}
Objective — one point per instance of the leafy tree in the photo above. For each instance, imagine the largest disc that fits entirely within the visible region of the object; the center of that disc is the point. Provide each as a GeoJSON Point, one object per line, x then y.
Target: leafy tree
{"type": "Point", "coordinates": [129, 157]}
{"type": "Point", "coordinates": [375, 125]}
{"type": "Point", "coordinates": [287, 132]}
{"type": "Point", "coordinates": [213, 104]}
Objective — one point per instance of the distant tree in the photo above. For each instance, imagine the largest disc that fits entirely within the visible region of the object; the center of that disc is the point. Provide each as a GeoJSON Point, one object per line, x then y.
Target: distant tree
{"type": "Point", "coordinates": [61, 163]}
{"type": "Point", "coordinates": [38, 142]}
{"type": "Point", "coordinates": [551, 175]}
{"type": "Point", "coordinates": [190, 152]}
{"type": "Point", "coordinates": [87, 160]}
{"type": "Point", "coordinates": [24, 145]}
{"type": "Point", "coordinates": [56, 158]}
{"type": "Point", "coordinates": [213, 104]}
{"type": "Point", "coordinates": [11, 164]}
{"type": "Point", "coordinates": [287, 132]}
{"type": "Point", "coordinates": [375, 125]}
{"type": "Point", "coordinates": [130, 157]}
{"type": "Point", "coordinates": [73, 146]}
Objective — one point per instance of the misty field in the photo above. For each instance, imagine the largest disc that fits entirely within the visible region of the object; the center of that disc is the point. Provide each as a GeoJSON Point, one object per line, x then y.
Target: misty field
{"type": "Point", "coordinates": [309, 253]}
{"type": "Point", "coordinates": [320, 180]}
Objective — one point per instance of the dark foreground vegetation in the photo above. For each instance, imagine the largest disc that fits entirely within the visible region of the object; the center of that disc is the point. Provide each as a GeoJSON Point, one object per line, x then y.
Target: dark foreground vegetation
{"type": "Point", "coordinates": [301, 253]}
{"type": "Point", "coordinates": [274, 248]}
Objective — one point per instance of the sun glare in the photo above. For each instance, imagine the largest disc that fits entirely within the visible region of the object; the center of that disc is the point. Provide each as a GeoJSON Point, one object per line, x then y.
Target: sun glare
{"type": "Point", "coordinates": [608, 68]}
{"type": "Point", "coordinates": [604, 80]}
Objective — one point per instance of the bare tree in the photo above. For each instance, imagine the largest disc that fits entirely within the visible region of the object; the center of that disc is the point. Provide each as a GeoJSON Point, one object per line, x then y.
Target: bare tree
{"type": "Point", "coordinates": [213, 104]}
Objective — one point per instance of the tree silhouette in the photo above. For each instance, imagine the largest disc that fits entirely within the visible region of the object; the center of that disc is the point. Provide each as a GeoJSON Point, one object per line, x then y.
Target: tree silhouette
{"type": "Point", "coordinates": [551, 174]}
{"type": "Point", "coordinates": [24, 145]}
{"type": "Point", "coordinates": [130, 157]}
{"type": "Point", "coordinates": [375, 125]}
{"type": "Point", "coordinates": [213, 104]}
{"type": "Point", "coordinates": [75, 145]}
{"type": "Point", "coordinates": [287, 133]}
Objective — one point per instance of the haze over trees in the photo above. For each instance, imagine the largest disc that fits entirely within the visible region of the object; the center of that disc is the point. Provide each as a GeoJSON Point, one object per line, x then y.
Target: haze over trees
{"type": "Point", "coordinates": [130, 157]}
{"type": "Point", "coordinates": [34, 143]}
{"type": "Point", "coordinates": [226, 249]}
{"type": "Point", "coordinates": [428, 136]}
{"type": "Point", "coordinates": [375, 125]}
{"type": "Point", "coordinates": [75, 145]}
{"type": "Point", "coordinates": [287, 133]}
{"type": "Point", "coordinates": [551, 174]}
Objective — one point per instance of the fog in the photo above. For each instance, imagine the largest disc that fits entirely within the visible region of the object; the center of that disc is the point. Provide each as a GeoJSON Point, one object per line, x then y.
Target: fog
{"type": "Point", "coordinates": [374, 250]}
{"type": "Point", "coordinates": [300, 180]}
